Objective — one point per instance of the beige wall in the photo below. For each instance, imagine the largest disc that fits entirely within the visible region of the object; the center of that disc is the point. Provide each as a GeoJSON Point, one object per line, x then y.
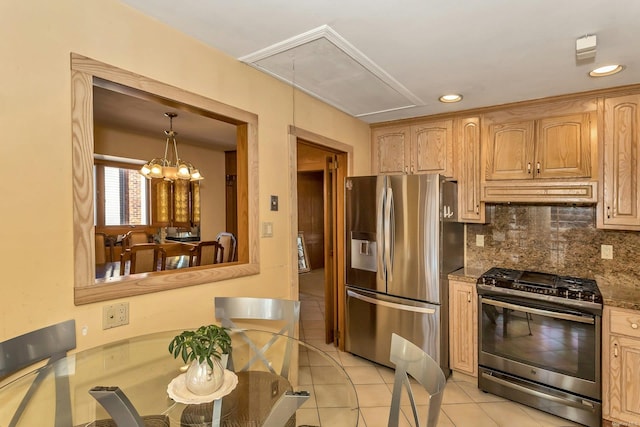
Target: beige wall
{"type": "Point", "coordinates": [37, 254]}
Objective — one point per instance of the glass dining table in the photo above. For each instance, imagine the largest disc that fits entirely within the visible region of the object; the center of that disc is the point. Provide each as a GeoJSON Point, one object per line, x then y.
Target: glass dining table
{"type": "Point", "coordinates": [268, 367]}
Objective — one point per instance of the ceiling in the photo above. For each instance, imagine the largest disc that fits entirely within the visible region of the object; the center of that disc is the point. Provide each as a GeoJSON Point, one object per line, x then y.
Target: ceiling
{"type": "Point", "coordinates": [120, 107]}
{"type": "Point", "coordinates": [381, 60]}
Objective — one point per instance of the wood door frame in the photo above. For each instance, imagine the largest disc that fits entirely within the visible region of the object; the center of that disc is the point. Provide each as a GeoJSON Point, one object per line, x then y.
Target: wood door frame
{"type": "Point", "coordinates": [346, 151]}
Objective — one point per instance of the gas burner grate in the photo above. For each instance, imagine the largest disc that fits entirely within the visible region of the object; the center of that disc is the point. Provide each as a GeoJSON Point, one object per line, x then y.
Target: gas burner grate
{"type": "Point", "coordinates": [551, 285]}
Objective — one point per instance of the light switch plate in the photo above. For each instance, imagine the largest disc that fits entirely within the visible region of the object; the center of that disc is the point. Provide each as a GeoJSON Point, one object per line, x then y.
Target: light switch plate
{"type": "Point", "coordinates": [267, 229]}
{"type": "Point", "coordinates": [479, 239]}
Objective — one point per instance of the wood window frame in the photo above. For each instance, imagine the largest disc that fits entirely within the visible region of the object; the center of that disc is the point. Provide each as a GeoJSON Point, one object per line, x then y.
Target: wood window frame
{"type": "Point", "coordinates": [83, 72]}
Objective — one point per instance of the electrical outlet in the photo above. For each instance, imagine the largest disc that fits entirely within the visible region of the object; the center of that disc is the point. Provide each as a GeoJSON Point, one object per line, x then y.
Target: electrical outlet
{"type": "Point", "coordinates": [479, 240]}
{"type": "Point", "coordinates": [606, 251]}
{"type": "Point", "coordinates": [115, 315]}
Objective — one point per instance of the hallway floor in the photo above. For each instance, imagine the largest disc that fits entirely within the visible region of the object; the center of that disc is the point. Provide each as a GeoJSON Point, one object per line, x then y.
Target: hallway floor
{"type": "Point", "coordinates": [463, 405]}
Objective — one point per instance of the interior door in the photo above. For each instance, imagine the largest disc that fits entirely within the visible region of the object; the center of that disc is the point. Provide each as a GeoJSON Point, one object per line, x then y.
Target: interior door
{"type": "Point", "coordinates": [330, 267]}
{"type": "Point", "coordinates": [331, 166]}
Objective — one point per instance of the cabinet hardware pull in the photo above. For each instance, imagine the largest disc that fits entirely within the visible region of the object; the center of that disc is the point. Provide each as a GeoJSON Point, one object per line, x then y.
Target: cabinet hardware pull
{"type": "Point", "coordinates": [468, 296]}
{"type": "Point", "coordinates": [529, 168]}
{"type": "Point", "coordinates": [477, 209]}
{"type": "Point", "coordinates": [634, 325]}
{"type": "Point", "coordinates": [538, 168]}
{"type": "Point", "coordinates": [608, 212]}
{"type": "Point", "coordinates": [615, 350]}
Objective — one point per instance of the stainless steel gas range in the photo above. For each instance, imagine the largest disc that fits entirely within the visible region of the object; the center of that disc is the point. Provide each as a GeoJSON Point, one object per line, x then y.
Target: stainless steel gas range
{"type": "Point", "coordinates": [539, 338]}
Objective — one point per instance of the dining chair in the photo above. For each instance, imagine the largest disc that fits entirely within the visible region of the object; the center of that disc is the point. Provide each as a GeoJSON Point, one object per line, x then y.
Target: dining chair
{"type": "Point", "coordinates": [101, 248]}
{"type": "Point", "coordinates": [50, 343]}
{"type": "Point", "coordinates": [122, 411]}
{"type": "Point", "coordinates": [284, 312]}
{"type": "Point", "coordinates": [412, 360]}
{"type": "Point", "coordinates": [228, 242]}
{"type": "Point", "coordinates": [143, 258]}
{"type": "Point", "coordinates": [134, 238]}
{"type": "Point", "coordinates": [205, 253]}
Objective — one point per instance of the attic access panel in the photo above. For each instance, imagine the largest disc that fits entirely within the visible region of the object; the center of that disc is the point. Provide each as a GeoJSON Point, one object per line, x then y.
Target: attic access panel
{"type": "Point", "coordinates": [330, 69]}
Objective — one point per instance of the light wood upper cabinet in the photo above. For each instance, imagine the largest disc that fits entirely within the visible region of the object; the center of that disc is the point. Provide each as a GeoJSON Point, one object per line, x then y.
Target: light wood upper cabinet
{"type": "Point", "coordinates": [432, 148]}
{"type": "Point", "coordinates": [391, 150]}
{"type": "Point", "coordinates": [463, 327]}
{"type": "Point", "coordinates": [548, 148]}
{"type": "Point", "coordinates": [620, 202]}
{"type": "Point", "coordinates": [563, 146]}
{"type": "Point", "coordinates": [510, 150]}
{"type": "Point", "coordinates": [621, 365]}
{"type": "Point", "coordinates": [467, 144]}
{"type": "Point", "coordinates": [420, 148]}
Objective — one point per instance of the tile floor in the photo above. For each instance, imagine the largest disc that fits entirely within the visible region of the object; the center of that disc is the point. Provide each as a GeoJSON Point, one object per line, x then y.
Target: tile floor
{"type": "Point", "coordinates": [463, 404]}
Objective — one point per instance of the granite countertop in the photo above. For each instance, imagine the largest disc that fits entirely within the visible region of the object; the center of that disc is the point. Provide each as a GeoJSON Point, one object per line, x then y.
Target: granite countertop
{"type": "Point", "coordinates": [618, 290]}
{"type": "Point", "coordinates": [469, 275]}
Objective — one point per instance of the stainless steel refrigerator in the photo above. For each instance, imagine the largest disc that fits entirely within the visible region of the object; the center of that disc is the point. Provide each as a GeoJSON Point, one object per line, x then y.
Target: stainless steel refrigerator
{"type": "Point", "coordinates": [402, 240]}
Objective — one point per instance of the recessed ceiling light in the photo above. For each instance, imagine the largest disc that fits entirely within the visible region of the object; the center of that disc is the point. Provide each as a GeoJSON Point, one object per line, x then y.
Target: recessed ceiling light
{"type": "Point", "coordinates": [607, 70]}
{"type": "Point", "coordinates": [454, 97]}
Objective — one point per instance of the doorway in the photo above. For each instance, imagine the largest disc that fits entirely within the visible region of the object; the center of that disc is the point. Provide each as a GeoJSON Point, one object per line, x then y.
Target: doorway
{"type": "Point", "coordinates": [319, 195]}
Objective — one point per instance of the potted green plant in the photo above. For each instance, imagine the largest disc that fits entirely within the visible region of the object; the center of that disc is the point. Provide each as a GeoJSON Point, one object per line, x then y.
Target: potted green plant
{"type": "Point", "coordinates": [204, 348]}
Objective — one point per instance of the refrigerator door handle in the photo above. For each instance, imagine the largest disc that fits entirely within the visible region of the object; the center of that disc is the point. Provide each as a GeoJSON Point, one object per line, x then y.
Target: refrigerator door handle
{"type": "Point", "coordinates": [388, 304]}
{"type": "Point", "coordinates": [388, 234]}
{"type": "Point", "coordinates": [380, 227]}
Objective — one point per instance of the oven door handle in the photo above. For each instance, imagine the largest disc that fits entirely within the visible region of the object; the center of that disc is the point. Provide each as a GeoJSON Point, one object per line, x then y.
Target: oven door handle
{"type": "Point", "coordinates": [582, 405]}
{"type": "Point", "coordinates": [553, 314]}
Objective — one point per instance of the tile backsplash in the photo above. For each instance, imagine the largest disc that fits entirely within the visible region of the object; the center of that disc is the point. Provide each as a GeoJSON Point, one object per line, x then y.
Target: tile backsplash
{"type": "Point", "coordinates": [555, 239]}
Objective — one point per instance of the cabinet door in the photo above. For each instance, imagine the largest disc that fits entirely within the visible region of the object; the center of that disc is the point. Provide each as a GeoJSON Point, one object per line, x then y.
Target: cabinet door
{"type": "Point", "coordinates": [620, 165]}
{"type": "Point", "coordinates": [432, 148]}
{"type": "Point", "coordinates": [390, 151]}
{"type": "Point", "coordinates": [160, 203]}
{"type": "Point", "coordinates": [463, 327]}
{"type": "Point", "coordinates": [624, 371]}
{"type": "Point", "coordinates": [563, 146]}
{"type": "Point", "coordinates": [509, 150]}
{"type": "Point", "coordinates": [470, 207]}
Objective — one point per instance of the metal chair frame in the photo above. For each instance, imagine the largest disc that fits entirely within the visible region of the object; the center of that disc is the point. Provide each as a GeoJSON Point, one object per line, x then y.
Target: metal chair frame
{"type": "Point", "coordinates": [52, 343]}
{"type": "Point", "coordinates": [228, 309]}
{"type": "Point", "coordinates": [411, 359]}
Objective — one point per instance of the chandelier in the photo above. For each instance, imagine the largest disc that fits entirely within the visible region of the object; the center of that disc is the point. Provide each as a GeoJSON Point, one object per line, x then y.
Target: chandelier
{"type": "Point", "coordinates": [174, 169]}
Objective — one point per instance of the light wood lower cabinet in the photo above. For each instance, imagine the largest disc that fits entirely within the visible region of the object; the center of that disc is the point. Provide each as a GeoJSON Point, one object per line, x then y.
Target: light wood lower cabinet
{"type": "Point", "coordinates": [621, 365]}
{"type": "Point", "coordinates": [463, 327]}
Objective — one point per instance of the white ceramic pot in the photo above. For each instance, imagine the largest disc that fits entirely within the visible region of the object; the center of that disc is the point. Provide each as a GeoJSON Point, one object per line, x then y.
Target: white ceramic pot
{"type": "Point", "coordinates": [202, 380]}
